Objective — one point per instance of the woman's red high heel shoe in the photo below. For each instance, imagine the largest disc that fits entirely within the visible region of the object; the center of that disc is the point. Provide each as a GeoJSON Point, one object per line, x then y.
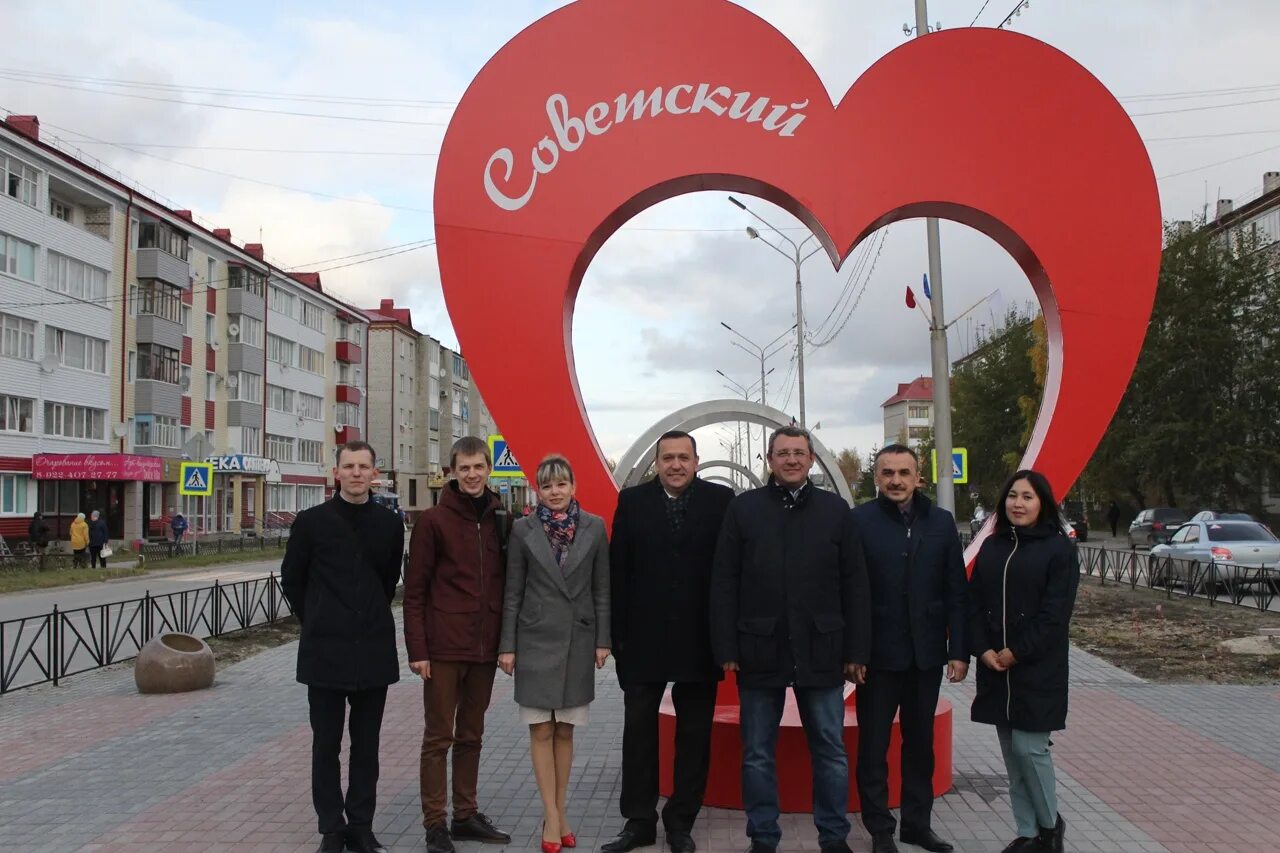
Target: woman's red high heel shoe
{"type": "Point", "coordinates": [551, 847]}
{"type": "Point", "coordinates": [569, 840]}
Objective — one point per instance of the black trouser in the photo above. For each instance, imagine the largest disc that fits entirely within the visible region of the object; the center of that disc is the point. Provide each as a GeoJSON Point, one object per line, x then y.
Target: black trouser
{"type": "Point", "coordinates": [695, 706]}
{"type": "Point", "coordinates": [328, 710]}
{"type": "Point", "coordinates": [913, 695]}
{"type": "Point", "coordinates": [95, 557]}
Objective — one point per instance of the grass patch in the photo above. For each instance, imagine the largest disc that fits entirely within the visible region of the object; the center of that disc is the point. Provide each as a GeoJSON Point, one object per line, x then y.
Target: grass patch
{"type": "Point", "coordinates": [22, 579]}
{"type": "Point", "coordinates": [235, 647]}
{"type": "Point", "coordinates": [1170, 639]}
{"type": "Point", "coordinates": [270, 555]}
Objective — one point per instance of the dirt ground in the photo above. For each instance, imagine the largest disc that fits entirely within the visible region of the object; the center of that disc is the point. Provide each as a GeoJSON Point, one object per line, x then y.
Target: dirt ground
{"type": "Point", "coordinates": [1170, 639]}
{"type": "Point", "coordinates": [233, 648]}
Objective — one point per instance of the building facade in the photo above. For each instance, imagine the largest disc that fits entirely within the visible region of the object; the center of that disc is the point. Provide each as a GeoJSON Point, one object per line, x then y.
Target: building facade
{"type": "Point", "coordinates": [908, 414]}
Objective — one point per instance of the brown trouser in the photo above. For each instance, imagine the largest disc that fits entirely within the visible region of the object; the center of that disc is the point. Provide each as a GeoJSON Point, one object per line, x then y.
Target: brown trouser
{"type": "Point", "coordinates": [454, 701]}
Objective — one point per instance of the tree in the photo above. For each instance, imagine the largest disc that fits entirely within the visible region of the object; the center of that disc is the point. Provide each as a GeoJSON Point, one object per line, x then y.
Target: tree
{"type": "Point", "coordinates": [850, 464]}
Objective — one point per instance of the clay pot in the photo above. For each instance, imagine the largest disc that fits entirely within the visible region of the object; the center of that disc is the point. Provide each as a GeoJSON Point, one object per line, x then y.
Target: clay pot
{"type": "Point", "coordinates": [173, 663]}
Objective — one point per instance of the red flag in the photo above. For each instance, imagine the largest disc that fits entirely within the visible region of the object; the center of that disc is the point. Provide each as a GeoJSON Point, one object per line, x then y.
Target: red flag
{"type": "Point", "coordinates": [911, 298]}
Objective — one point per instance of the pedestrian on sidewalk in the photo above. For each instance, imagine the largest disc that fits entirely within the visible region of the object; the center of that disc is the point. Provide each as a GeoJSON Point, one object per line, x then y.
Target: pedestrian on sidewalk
{"type": "Point", "coordinates": [660, 556]}
{"type": "Point", "coordinates": [339, 574]}
{"type": "Point", "coordinates": [99, 537]}
{"type": "Point", "coordinates": [178, 525]}
{"type": "Point", "coordinates": [790, 608]}
{"type": "Point", "coordinates": [452, 620]}
{"type": "Point", "coordinates": [1113, 518]}
{"type": "Point", "coordinates": [79, 540]}
{"type": "Point", "coordinates": [1021, 595]}
{"type": "Point", "coordinates": [915, 569]}
{"type": "Point", "coordinates": [38, 534]}
{"type": "Point", "coordinates": [555, 626]}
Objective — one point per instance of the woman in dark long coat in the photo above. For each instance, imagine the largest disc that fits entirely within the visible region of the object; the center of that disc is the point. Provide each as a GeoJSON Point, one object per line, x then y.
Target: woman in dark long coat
{"type": "Point", "coordinates": [1021, 595]}
{"type": "Point", "coordinates": [555, 632]}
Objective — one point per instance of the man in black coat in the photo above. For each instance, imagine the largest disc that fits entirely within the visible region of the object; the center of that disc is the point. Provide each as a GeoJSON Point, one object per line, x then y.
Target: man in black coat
{"type": "Point", "coordinates": [789, 608]}
{"type": "Point", "coordinates": [339, 575]}
{"type": "Point", "coordinates": [664, 539]}
{"type": "Point", "coordinates": [916, 571]}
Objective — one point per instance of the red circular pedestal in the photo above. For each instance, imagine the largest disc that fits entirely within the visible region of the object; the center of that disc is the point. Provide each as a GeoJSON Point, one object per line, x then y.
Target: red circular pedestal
{"type": "Point", "coordinates": [795, 776]}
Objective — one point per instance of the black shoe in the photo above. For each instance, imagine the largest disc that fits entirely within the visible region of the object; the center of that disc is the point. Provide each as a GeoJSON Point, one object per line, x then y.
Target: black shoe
{"type": "Point", "coordinates": [332, 842]}
{"type": "Point", "coordinates": [882, 842]}
{"type": "Point", "coordinates": [926, 838]}
{"type": "Point", "coordinates": [841, 846]}
{"type": "Point", "coordinates": [630, 839]}
{"type": "Point", "coordinates": [680, 842]}
{"type": "Point", "coordinates": [478, 828]}
{"type": "Point", "coordinates": [761, 847]}
{"type": "Point", "coordinates": [438, 840]}
{"type": "Point", "coordinates": [362, 841]}
{"type": "Point", "coordinates": [1022, 844]}
{"type": "Point", "coordinates": [1051, 839]}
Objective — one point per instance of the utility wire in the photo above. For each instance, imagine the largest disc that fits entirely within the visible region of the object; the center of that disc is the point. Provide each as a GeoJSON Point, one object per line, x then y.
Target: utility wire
{"type": "Point", "coordinates": [1218, 163]}
{"type": "Point", "coordinates": [980, 11]}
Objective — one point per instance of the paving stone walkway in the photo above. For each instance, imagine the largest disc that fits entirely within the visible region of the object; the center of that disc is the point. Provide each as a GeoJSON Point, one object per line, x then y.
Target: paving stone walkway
{"type": "Point", "coordinates": [92, 765]}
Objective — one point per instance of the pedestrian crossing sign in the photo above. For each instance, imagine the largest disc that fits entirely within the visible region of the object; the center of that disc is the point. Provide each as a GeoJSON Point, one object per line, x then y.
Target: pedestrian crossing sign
{"type": "Point", "coordinates": [504, 461]}
{"type": "Point", "coordinates": [196, 479]}
{"type": "Point", "coordinates": [959, 465]}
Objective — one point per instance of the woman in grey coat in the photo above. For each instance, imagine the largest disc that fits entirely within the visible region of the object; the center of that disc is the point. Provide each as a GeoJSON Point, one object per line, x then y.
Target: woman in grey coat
{"type": "Point", "coordinates": [555, 627]}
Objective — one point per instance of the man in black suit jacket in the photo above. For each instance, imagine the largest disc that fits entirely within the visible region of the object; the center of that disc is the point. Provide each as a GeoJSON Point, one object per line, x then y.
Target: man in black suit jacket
{"type": "Point", "coordinates": [664, 539]}
{"type": "Point", "coordinates": [916, 570]}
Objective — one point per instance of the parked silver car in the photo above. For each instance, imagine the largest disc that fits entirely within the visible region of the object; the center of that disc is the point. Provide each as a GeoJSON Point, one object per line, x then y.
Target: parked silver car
{"type": "Point", "coordinates": [1236, 548]}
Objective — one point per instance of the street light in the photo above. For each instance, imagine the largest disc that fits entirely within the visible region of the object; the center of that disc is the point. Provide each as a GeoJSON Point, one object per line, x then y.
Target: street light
{"type": "Point", "coordinates": [747, 394]}
{"type": "Point", "coordinates": [763, 353]}
{"type": "Point", "coordinates": [796, 257]}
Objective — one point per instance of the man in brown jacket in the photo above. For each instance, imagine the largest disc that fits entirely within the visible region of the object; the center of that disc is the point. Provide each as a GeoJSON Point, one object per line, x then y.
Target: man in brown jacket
{"type": "Point", "coordinates": [452, 619]}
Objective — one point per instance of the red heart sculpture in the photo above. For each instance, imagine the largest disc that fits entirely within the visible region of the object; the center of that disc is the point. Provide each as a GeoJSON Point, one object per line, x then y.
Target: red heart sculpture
{"type": "Point", "coordinates": [602, 109]}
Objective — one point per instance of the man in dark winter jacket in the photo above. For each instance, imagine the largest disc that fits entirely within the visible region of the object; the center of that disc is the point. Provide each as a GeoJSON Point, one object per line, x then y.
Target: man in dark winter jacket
{"type": "Point", "coordinates": [452, 619]}
{"type": "Point", "coordinates": [339, 575]}
{"type": "Point", "coordinates": [789, 608]}
{"type": "Point", "coordinates": [918, 587]}
{"type": "Point", "coordinates": [664, 540]}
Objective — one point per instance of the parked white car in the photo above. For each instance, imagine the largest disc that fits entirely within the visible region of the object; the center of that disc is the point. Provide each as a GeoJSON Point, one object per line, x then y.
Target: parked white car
{"type": "Point", "coordinates": [1234, 547]}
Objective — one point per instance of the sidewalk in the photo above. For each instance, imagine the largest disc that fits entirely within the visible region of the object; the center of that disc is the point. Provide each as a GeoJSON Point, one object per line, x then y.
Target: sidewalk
{"type": "Point", "coordinates": [93, 765]}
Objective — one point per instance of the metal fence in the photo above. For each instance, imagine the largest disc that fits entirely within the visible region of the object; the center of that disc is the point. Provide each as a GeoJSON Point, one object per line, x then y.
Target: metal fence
{"type": "Point", "coordinates": [1215, 582]}
{"type": "Point", "coordinates": [52, 646]}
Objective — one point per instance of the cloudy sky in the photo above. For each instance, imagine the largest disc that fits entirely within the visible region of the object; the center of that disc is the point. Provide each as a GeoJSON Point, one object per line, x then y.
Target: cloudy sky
{"type": "Point", "coordinates": [314, 127]}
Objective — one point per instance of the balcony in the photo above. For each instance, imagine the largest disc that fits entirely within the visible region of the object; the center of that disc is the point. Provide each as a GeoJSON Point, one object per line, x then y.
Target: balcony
{"type": "Point", "coordinates": [350, 353]}
{"type": "Point", "coordinates": [349, 394]}
{"type": "Point", "coordinates": [348, 433]}
{"type": "Point", "coordinates": [159, 264]}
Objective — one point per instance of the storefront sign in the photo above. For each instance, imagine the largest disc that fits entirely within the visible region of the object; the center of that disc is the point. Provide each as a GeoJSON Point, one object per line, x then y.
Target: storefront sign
{"type": "Point", "coordinates": [97, 466]}
{"type": "Point", "coordinates": [240, 464]}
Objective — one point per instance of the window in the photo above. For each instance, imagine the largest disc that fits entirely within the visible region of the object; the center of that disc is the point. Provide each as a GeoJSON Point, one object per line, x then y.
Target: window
{"type": "Point", "coordinates": [457, 403]}
{"type": "Point", "coordinates": [250, 328]}
{"type": "Point", "coordinates": [348, 374]}
{"type": "Point", "coordinates": [310, 451]}
{"type": "Point", "coordinates": [157, 363]}
{"type": "Point", "coordinates": [280, 350]}
{"type": "Point", "coordinates": [18, 257]}
{"type": "Point", "coordinates": [243, 278]}
{"type": "Point", "coordinates": [280, 448]}
{"type": "Point", "coordinates": [159, 299]}
{"type": "Point", "coordinates": [131, 372]}
{"type": "Point", "coordinates": [309, 496]}
{"type": "Point", "coordinates": [17, 337]}
{"type": "Point", "coordinates": [280, 399]}
{"type": "Point", "coordinates": [433, 452]}
{"type": "Point", "coordinates": [251, 440]}
{"type": "Point", "coordinates": [248, 387]}
{"type": "Point", "coordinates": [186, 319]}
{"type": "Point", "coordinates": [211, 386]}
{"type": "Point", "coordinates": [310, 360]}
{"type": "Point", "coordinates": [69, 421]}
{"type": "Point", "coordinates": [279, 495]}
{"type": "Point", "coordinates": [433, 389]}
{"type": "Point", "coordinates": [349, 332]}
{"type": "Point", "coordinates": [210, 273]}
{"type": "Point", "coordinates": [312, 316]}
{"type": "Point", "coordinates": [76, 350]}
{"type": "Point", "coordinates": [155, 431]}
{"type": "Point", "coordinates": [184, 379]}
{"type": "Point", "coordinates": [13, 493]}
{"type": "Point", "coordinates": [280, 300]}
{"type": "Point", "coordinates": [310, 406]}
{"type": "Point", "coordinates": [433, 418]}
{"type": "Point", "coordinates": [346, 414]}
{"type": "Point", "coordinates": [16, 414]}
{"type": "Point", "coordinates": [161, 235]}
{"type": "Point", "coordinates": [19, 180]}
{"type": "Point", "coordinates": [210, 328]}
{"type": "Point", "coordinates": [918, 412]}
{"type": "Point", "coordinates": [460, 370]}
{"type": "Point", "coordinates": [920, 432]}
{"type": "Point", "coordinates": [60, 209]}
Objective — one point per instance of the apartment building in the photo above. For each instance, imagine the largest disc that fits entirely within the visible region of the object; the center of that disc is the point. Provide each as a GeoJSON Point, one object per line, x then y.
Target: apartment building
{"type": "Point", "coordinates": [908, 414]}
{"type": "Point", "coordinates": [134, 338]}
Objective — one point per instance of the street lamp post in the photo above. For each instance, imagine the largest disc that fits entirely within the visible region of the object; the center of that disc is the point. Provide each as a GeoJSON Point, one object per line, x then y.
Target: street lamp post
{"type": "Point", "coordinates": [797, 257]}
{"type": "Point", "coordinates": [747, 394]}
{"type": "Point", "coordinates": [763, 353]}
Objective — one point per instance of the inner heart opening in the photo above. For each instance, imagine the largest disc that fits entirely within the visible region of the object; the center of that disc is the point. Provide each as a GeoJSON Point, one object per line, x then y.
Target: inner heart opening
{"type": "Point", "coordinates": [679, 304]}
